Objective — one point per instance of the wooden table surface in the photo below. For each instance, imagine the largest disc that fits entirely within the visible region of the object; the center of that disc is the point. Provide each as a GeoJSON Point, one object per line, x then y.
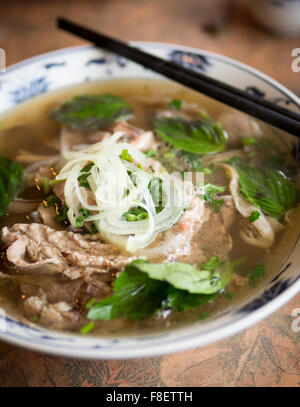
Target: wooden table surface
{"type": "Point", "coordinates": [268, 354]}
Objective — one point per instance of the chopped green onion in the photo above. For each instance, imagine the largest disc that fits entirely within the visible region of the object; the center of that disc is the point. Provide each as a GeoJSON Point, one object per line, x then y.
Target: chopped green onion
{"type": "Point", "coordinates": [254, 216]}
{"type": "Point", "coordinates": [79, 221]}
{"type": "Point", "coordinates": [87, 167]}
{"type": "Point", "coordinates": [83, 182]}
{"type": "Point", "coordinates": [142, 216]}
{"type": "Point", "coordinates": [56, 181]}
{"type": "Point", "coordinates": [45, 185]}
{"type": "Point", "coordinates": [130, 217]}
{"type": "Point", "coordinates": [126, 156]}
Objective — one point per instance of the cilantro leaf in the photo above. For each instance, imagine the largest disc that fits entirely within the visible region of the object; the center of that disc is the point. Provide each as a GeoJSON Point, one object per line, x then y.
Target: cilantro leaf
{"type": "Point", "coordinates": [209, 196]}
{"type": "Point", "coordinates": [200, 136]}
{"type": "Point", "coordinates": [269, 190]}
{"type": "Point", "coordinates": [92, 112]}
{"type": "Point", "coordinates": [11, 180]}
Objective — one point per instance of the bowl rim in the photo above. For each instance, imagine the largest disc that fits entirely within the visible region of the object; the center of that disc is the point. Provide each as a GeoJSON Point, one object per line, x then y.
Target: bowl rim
{"type": "Point", "coordinates": [230, 61]}
{"type": "Point", "coordinates": [191, 340]}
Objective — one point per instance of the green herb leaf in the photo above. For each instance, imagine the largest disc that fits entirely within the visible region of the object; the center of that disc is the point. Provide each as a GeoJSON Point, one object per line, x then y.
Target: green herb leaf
{"type": "Point", "coordinates": [209, 196]}
{"type": "Point", "coordinates": [181, 300]}
{"type": "Point", "coordinates": [195, 136]}
{"type": "Point", "coordinates": [210, 278]}
{"type": "Point", "coordinates": [175, 104]}
{"type": "Point", "coordinates": [11, 181]}
{"type": "Point", "coordinates": [256, 274]}
{"type": "Point", "coordinates": [269, 190]}
{"type": "Point", "coordinates": [92, 112]}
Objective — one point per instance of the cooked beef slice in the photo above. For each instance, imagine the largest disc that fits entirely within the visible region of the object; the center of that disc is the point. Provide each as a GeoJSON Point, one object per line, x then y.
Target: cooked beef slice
{"type": "Point", "coordinates": [37, 248]}
{"type": "Point", "coordinates": [58, 316]}
{"type": "Point", "coordinates": [55, 301]}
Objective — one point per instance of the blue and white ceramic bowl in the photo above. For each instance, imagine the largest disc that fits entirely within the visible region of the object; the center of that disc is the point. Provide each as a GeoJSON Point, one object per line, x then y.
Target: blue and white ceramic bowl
{"type": "Point", "coordinates": [75, 65]}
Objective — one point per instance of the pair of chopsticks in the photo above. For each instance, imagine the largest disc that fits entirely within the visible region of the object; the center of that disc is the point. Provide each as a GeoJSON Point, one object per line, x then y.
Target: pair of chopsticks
{"type": "Point", "coordinates": [255, 106]}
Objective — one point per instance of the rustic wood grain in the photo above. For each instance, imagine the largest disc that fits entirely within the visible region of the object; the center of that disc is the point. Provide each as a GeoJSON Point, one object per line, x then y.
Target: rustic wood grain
{"type": "Point", "coordinates": [267, 354]}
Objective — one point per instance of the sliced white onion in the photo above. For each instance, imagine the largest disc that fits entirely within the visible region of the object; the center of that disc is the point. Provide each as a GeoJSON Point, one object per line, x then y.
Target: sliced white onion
{"type": "Point", "coordinates": [117, 186]}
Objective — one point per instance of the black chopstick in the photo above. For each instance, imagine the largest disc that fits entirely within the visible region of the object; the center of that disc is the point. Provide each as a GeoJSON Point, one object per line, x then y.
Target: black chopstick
{"type": "Point", "coordinates": [260, 108]}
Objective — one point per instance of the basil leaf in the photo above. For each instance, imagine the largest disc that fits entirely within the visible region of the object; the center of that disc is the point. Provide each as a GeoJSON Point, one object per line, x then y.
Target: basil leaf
{"type": "Point", "coordinates": [203, 280]}
{"type": "Point", "coordinates": [135, 296]}
{"type": "Point", "coordinates": [180, 300]}
{"type": "Point", "coordinates": [194, 136]}
{"type": "Point", "coordinates": [11, 181]}
{"type": "Point", "coordinates": [270, 190]}
{"type": "Point", "coordinates": [92, 112]}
